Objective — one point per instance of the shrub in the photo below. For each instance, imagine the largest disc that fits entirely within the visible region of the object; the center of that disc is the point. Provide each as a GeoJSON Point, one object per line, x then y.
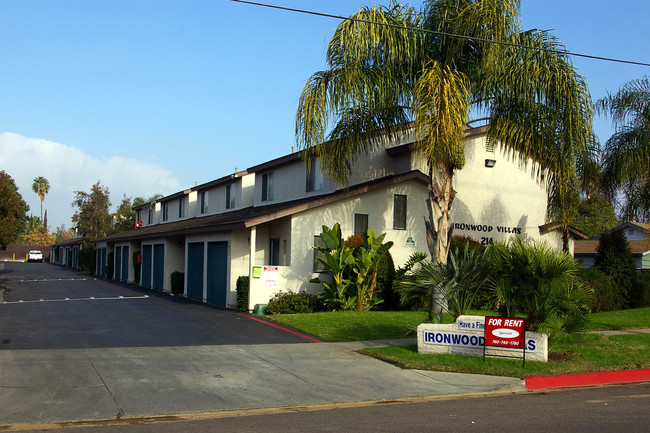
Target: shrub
{"type": "Point", "coordinates": [290, 303]}
{"type": "Point", "coordinates": [87, 260]}
{"type": "Point", "coordinates": [243, 287]}
{"type": "Point", "coordinates": [353, 270]}
{"type": "Point", "coordinates": [410, 300]}
{"type": "Point", "coordinates": [136, 266]}
{"type": "Point", "coordinates": [177, 280]}
{"type": "Point", "coordinates": [544, 284]}
{"type": "Point", "coordinates": [110, 265]}
{"type": "Point", "coordinates": [385, 283]}
{"type": "Point", "coordinates": [606, 293]}
{"type": "Point", "coordinates": [640, 296]}
{"type": "Point", "coordinates": [459, 242]}
{"type": "Point", "coordinates": [458, 281]}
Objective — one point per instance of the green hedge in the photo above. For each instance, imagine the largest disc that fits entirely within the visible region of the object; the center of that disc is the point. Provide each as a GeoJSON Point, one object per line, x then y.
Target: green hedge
{"type": "Point", "coordinates": [290, 303]}
{"type": "Point", "coordinates": [243, 289]}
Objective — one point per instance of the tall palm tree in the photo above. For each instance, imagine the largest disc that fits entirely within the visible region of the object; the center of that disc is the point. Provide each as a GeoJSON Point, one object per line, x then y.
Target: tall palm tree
{"type": "Point", "coordinates": [41, 187]}
{"type": "Point", "coordinates": [392, 65]}
{"type": "Point", "coordinates": [627, 152]}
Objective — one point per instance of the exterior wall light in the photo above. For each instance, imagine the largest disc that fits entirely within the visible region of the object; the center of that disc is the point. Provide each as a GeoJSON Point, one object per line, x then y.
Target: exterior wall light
{"type": "Point", "coordinates": [490, 163]}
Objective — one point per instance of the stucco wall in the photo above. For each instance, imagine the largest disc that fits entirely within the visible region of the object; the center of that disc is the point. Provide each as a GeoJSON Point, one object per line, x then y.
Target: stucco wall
{"type": "Point", "coordinates": [497, 203]}
{"type": "Point", "coordinates": [305, 225]}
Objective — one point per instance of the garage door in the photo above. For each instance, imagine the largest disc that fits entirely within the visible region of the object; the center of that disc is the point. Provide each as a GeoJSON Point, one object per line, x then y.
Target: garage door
{"type": "Point", "coordinates": [217, 272]}
{"type": "Point", "coordinates": [125, 264]}
{"type": "Point", "coordinates": [158, 266]}
{"type": "Point", "coordinates": [195, 271]}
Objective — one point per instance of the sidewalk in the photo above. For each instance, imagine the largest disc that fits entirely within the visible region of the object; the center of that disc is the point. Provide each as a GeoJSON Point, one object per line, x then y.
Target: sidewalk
{"type": "Point", "coordinates": [47, 386]}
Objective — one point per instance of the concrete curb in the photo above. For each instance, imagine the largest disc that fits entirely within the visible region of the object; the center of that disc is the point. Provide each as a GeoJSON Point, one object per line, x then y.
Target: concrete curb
{"type": "Point", "coordinates": [587, 379]}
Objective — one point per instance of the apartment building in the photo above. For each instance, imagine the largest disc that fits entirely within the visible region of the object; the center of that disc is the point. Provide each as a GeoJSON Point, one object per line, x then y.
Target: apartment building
{"type": "Point", "coordinates": [263, 222]}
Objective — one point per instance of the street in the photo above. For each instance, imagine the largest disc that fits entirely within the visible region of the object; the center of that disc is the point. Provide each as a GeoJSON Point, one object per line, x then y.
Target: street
{"type": "Point", "coordinates": [617, 409]}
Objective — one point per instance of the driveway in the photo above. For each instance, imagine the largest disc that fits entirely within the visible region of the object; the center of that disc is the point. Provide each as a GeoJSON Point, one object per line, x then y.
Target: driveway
{"type": "Point", "coordinates": [48, 307]}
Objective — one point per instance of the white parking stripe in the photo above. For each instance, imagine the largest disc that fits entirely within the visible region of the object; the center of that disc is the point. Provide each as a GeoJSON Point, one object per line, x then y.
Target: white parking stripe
{"type": "Point", "coordinates": [92, 298]}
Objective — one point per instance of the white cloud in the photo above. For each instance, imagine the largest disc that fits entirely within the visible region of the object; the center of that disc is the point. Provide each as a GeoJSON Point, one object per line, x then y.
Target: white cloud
{"type": "Point", "coordinates": [69, 169]}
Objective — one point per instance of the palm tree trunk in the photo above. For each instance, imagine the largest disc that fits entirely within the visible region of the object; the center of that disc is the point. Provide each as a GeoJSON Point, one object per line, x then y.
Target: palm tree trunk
{"type": "Point", "coordinates": [439, 228]}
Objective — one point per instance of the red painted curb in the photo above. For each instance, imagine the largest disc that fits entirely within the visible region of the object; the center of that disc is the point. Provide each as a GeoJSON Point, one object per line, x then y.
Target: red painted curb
{"type": "Point", "coordinates": [587, 379]}
{"type": "Point", "coordinates": [282, 328]}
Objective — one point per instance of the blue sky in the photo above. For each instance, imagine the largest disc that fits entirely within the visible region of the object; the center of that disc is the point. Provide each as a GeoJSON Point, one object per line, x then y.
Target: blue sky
{"type": "Point", "coordinates": [152, 96]}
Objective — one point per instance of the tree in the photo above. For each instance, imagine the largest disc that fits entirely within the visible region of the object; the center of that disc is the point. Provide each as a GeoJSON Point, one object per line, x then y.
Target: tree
{"type": "Point", "coordinates": [392, 65]}
{"type": "Point", "coordinates": [595, 215]}
{"type": "Point", "coordinates": [38, 235]}
{"type": "Point", "coordinates": [614, 258]}
{"type": "Point", "coordinates": [92, 217]}
{"type": "Point", "coordinates": [124, 218]}
{"type": "Point", "coordinates": [12, 210]}
{"type": "Point", "coordinates": [627, 151]}
{"type": "Point", "coordinates": [62, 235]}
{"type": "Point", "coordinates": [41, 186]}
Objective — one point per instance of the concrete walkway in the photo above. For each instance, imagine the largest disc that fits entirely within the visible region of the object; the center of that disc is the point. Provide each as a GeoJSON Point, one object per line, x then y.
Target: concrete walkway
{"type": "Point", "coordinates": [41, 386]}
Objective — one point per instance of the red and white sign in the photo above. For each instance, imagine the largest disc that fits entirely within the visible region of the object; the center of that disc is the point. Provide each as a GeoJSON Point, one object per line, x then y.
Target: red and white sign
{"type": "Point", "coordinates": [505, 332]}
{"type": "Point", "coordinates": [270, 276]}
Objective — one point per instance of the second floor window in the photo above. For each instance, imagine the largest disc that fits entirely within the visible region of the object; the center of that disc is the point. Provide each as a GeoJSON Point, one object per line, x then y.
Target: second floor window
{"type": "Point", "coordinates": [165, 210]}
{"type": "Point", "coordinates": [267, 186]}
{"type": "Point", "coordinates": [314, 176]}
{"type": "Point", "coordinates": [181, 207]}
{"type": "Point", "coordinates": [230, 196]}
{"type": "Point", "coordinates": [204, 202]}
{"type": "Point", "coordinates": [150, 216]}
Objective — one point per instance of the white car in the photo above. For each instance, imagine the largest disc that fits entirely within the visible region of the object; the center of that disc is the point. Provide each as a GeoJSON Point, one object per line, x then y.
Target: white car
{"type": "Point", "coordinates": [35, 256]}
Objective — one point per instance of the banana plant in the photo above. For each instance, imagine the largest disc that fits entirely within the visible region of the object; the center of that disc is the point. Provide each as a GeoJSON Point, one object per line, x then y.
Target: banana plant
{"type": "Point", "coordinates": [338, 260]}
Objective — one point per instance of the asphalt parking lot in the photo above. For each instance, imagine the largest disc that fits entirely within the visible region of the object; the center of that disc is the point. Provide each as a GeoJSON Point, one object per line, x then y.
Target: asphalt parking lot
{"type": "Point", "coordinates": [47, 307]}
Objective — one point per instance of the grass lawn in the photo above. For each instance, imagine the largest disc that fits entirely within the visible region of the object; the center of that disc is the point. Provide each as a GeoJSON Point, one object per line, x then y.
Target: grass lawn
{"type": "Point", "coordinates": [378, 325]}
{"type": "Point", "coordinates": [577, 354]}
{"type": "Point", "coordinates": [574, 354]}
{"type": "Point", "coordinates": [620, 319]}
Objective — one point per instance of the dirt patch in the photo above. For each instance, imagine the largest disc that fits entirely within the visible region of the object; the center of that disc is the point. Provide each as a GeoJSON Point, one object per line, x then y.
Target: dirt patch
{"type": "Point", "coordinates": [565, 355]}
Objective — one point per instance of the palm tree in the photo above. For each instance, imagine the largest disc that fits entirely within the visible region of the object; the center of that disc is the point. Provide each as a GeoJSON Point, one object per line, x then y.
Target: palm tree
{"type": "Point", "coordinates": [41, 187]}
{"type": "Point", "coordinates": [392, 65]}
{"type": "Point", "coordinates": [627, 152]}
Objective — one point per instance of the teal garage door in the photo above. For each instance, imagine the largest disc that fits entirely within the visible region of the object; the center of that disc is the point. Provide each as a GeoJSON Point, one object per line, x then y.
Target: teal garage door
{"type": "Point", "coordinates": [217, 272]}
{"type": "Point", "coordinates": [118, 263]}
{"type": "Point", "coordinates": [158, 266]}
{"type": "Point", "coordinates": [125, 265]}
{"type": "Point", "coordinates": [195, 271]}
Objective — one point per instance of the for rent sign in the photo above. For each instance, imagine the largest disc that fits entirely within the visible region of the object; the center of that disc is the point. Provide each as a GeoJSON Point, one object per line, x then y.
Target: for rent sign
{"type": "Point", "coordinates": [504, 332]}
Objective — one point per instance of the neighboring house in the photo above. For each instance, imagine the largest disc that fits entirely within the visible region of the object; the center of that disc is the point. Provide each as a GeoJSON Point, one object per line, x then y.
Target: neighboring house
{"type": "Point", "coordinates": [263, 222]}
{"type": "Point", "coordinates": [638, 238]}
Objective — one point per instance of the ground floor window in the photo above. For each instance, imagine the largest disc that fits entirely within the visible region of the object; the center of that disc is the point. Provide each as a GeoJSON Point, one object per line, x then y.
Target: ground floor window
{"type": "Point", "coordinates": [318, 266]}
{"type": "Point", "coordinates": [361, 224]}
{"type": "Point", "coordinates": [399, 212]}
{"type": "Point", "coordinates": [274, 252]}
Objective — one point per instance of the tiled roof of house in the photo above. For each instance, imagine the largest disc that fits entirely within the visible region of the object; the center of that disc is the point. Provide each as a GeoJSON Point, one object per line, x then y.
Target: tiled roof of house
{"type": "Point", "coordinates": [637, 247]}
